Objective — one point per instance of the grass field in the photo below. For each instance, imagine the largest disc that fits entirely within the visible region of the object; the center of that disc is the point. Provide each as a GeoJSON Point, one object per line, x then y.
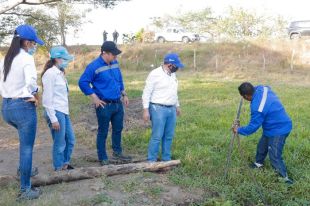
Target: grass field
{"type": "Point", "coordinates": [209, 102]}
{"type": "Point", "coordinates": [208, 105]}
{"type": "Point", "coordinates": [201, 143]}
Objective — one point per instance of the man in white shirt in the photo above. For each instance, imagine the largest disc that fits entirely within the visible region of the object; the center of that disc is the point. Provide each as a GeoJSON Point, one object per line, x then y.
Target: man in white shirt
{"type": "Point", "coordinates": [161, 105]}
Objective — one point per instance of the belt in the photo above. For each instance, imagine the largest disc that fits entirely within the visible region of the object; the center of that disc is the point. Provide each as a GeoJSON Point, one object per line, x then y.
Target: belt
{"type": "Point", "coordinates": [162, 105]}
{"type": "Point", "coordinates": [111, 101]}
{"type": "Point", "coordinates": [15, 98]}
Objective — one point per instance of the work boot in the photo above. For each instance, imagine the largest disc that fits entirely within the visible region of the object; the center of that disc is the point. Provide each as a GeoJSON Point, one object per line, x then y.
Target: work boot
{"type": "Point", "coordinates": [255, 165]}
{"type": "Point", "coordinates": [104, 162]}
{"type": "Point", "coordinates": [34, 172]}
{"type": "Point", "coordinates": [29, 194]}
{"type": "Point", "coordinates": [121, 157]}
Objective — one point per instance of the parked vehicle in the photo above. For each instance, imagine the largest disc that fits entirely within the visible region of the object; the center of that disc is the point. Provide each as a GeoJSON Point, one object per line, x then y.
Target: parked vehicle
{"type": "Point", "coordinates": [206, 37]}
{"type": "Point", "coordinates": [176, 35]}
{"type": "Point", "coordinates": [298, 29]}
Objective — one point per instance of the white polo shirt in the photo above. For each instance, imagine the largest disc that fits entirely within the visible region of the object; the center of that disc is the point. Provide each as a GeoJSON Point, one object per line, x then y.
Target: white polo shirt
{"type": "Point", "coordinates": [160, 88]}
{"type": "Point", "coordinates": [55, 93]}
{"type": "Point", "coordinates": [22, 79]}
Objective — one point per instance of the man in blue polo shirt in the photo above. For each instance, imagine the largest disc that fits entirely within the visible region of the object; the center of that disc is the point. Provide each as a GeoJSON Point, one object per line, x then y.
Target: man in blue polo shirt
{"type": "Point", "coordinates": [268, 112]}
{"type": "Point", "coordinates": [102, 81]}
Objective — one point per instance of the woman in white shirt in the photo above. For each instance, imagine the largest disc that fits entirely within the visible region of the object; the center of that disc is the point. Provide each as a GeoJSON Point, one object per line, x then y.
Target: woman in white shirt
{"type": "Point", "coordinates": [56, 105]}
{"type": "Point", "coordinates": [19, 91]}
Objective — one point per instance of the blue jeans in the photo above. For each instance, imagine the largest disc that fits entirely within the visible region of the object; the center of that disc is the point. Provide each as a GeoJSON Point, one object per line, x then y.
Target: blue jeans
{"type": "Point", "coordinates": [273, 145]}
{"type": "Point", "coordinates": [163, 124]}
{"type": "Point", "coordinates": [64, 140]}
{"type": "Point", "coordinates": [23, 116]}
{"type": "Point", "coordinates": [114, 113]}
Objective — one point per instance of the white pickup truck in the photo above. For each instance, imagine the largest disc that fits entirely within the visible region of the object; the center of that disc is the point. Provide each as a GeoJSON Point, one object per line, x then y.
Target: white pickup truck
{"type": "Point", "coordinates": [176, 35]}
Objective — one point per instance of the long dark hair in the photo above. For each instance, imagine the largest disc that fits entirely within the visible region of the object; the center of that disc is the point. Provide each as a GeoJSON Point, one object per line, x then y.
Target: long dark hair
{"type": "Point", "coordinates": [13, 51]}
{"type": "Point", "coordinates": [49, 64]}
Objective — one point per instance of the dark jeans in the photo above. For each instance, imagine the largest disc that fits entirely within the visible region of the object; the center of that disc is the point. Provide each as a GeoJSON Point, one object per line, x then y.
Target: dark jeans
{"type": "Point", "coordinates": [23, 116]}
{"type": "Point", "coordinates": [114, 113]}
{"type": "Point", "coordinates": [273, 145]}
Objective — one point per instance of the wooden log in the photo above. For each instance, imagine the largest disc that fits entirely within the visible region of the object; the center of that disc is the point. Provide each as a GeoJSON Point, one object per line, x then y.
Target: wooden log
{"type": "Point", "coordinates": [92, 158]}
{"type": "Point", "coordinates": [93, 172]}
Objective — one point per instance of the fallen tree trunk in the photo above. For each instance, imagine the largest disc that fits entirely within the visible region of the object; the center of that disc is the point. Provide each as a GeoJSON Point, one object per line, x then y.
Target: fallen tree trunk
{"type": "Point", "coordinates": [92, 158]}
{"type": "Point", "coordinates": [93, 172]}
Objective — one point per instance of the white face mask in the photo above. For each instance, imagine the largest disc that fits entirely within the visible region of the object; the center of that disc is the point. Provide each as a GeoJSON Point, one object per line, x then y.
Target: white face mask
{"type": "Point", "coordinates": [32, 50]}
{"type": "Point", "coordinates": [64, 64]}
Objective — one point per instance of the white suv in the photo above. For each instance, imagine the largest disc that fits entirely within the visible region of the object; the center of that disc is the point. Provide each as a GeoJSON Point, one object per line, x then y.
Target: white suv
{"type": "Point", "coordinates": [176, 35]}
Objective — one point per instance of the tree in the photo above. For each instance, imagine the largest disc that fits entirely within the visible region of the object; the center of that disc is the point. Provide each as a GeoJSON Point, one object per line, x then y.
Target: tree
{"type": "Point", "coordinates": [7, 26]}
{"type": "Point", "coordinates": [46, 26]}
{"type": "Point", "coordinates": [50, 27]}
{"type": "Point", "coordinates": [67, 18]}
{"type": "Point", "coordinates": [10, 6]}
{"type": "Point", "coordinates": [237, 24]}
{"type": "Point", "coordinates": [200, 22]}
{"type": "Point", "coordinates": [53, 27]}
{"type": "Point", "coordinates": [241, 23]}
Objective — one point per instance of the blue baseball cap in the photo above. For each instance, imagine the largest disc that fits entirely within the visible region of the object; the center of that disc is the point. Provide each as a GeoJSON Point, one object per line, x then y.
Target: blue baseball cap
{"type": "Point", "coordinates": [60, 52]}
{"type": "Point", "coordinates": [27, 32]}
{"type": "Point", "coordinates": [173, 58]}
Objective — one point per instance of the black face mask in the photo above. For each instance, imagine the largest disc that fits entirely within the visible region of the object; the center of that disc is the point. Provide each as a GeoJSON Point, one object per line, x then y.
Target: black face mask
{"type": "Point", "coordinates": [173, 68]}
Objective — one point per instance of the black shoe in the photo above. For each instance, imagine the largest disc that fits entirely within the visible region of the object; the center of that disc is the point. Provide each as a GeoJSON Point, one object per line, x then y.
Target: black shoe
{"type": "Point", "coordinates": [69, 167]}
{"type": "Point", "coordinates": [34, 172]}
{"type": "Point", "coordinates": [120, 156]}
{"type": "Point", "coordinates": [255, 165]}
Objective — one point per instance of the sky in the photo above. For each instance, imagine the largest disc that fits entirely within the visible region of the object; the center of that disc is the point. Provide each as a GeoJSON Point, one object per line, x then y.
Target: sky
{"type": "Point", "coordinates": [131, 16]}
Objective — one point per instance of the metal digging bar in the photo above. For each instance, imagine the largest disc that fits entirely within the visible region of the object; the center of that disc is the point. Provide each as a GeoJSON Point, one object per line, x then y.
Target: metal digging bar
{"type": "Point", "coordinates": [229, 154]}
{"type": "Point", "coordinates": [232, 139]}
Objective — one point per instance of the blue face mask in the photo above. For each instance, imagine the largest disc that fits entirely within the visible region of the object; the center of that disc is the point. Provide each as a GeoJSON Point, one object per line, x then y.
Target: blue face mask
{"type": "Point", "coordinates": [64, 64]}
{"type": "Point", "coordinates": [32, 50]}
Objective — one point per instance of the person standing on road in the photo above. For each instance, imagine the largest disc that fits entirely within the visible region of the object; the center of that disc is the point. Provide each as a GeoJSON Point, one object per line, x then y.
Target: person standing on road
{"type": "Point", "coordinates": [102, 80]}
{"type": "Point", "coordinates": [115, 36]}
{"type": "Point", "coordinates": [266, 111]}
{"type": "Point", "coordinates": [55, 100]}
{"type": "Point", "coordinates": [105, 36]}
{"type": "Point", "coordinates": [161, 106]}
{"type": "Point", "coordinates": [19, 91]}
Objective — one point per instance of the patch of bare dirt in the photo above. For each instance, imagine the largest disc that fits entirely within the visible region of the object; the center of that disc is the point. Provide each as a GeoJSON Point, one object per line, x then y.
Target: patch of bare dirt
{"type": "Point", "coordinates": [132, 118]}
{"type": "Point", "coordinates": [132, 189]}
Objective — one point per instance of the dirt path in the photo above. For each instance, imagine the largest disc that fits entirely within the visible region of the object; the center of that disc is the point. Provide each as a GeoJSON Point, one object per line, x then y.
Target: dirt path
{"type": "Point", "coordinates": [133, 189]}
